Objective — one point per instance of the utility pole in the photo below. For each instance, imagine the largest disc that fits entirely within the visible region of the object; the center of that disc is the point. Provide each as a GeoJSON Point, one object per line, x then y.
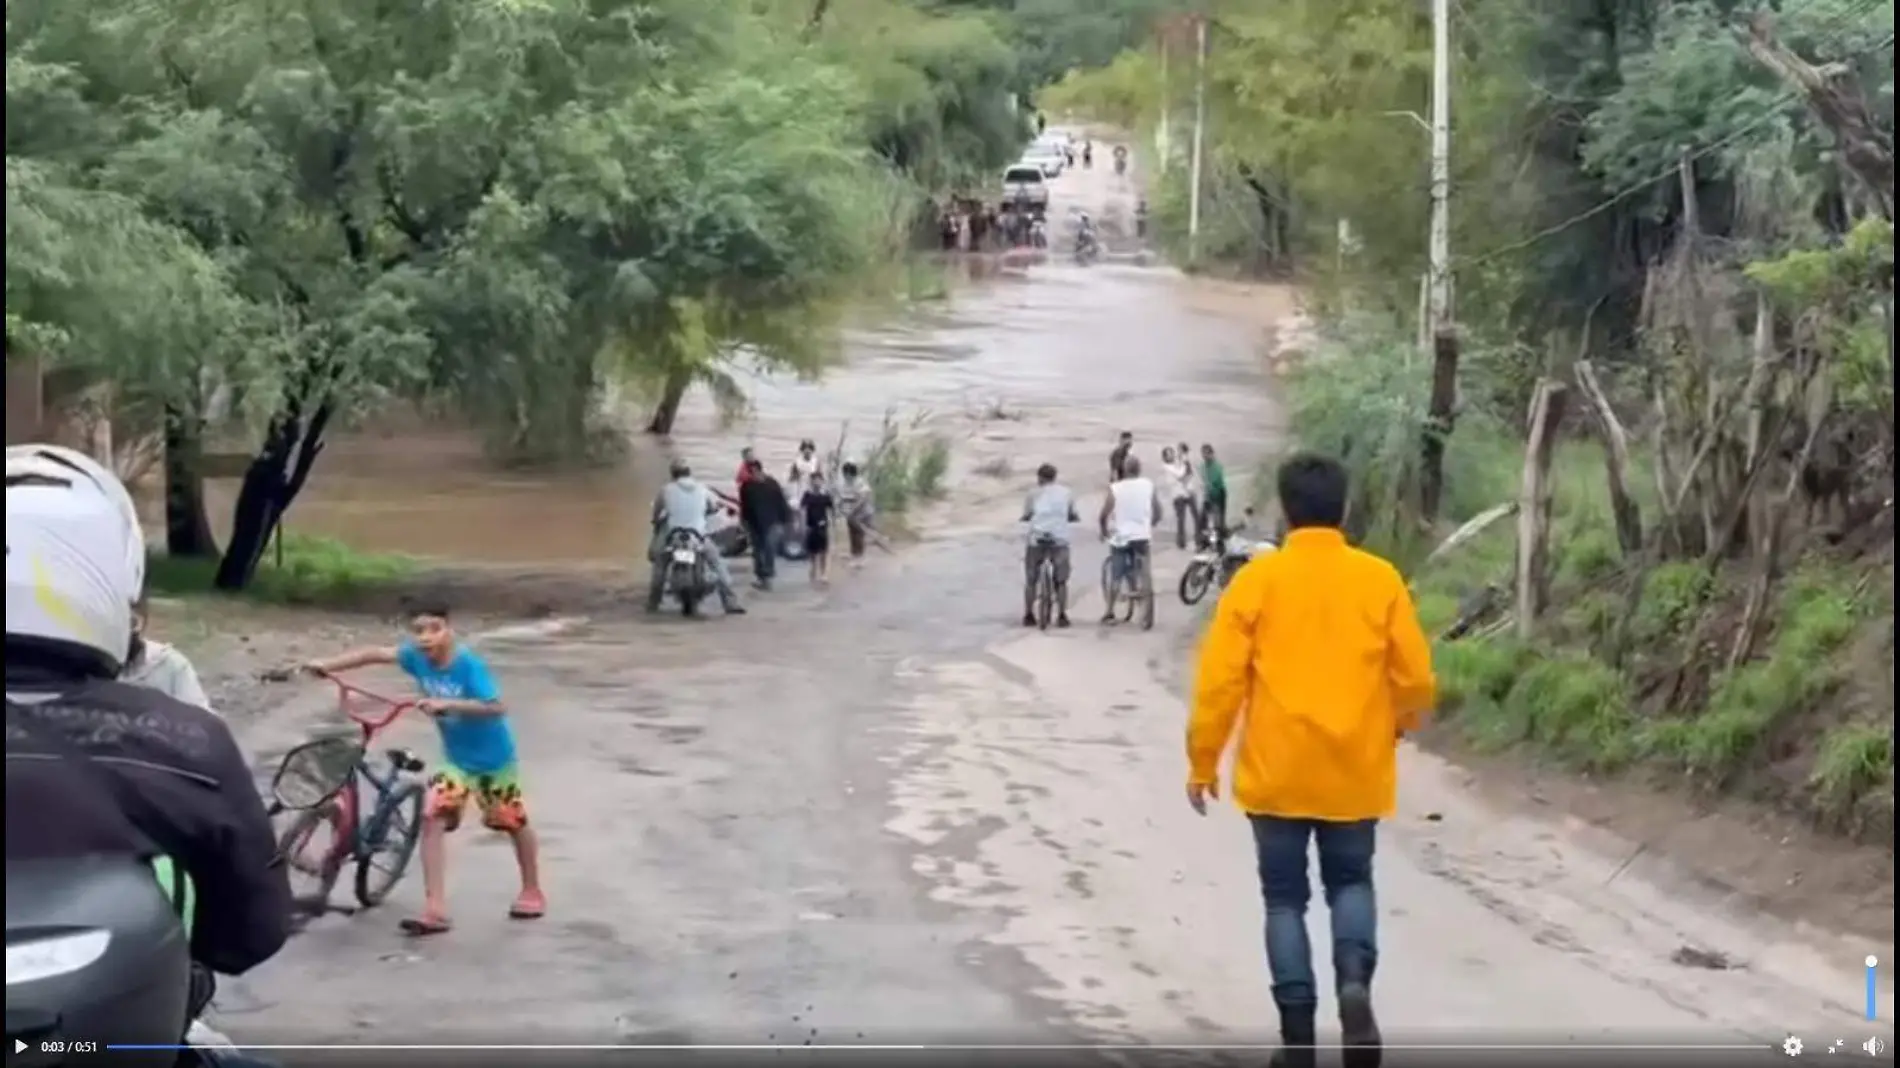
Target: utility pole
{"type": "Point", "coordinates": [1442, 407]}
{"type": "Point", "coordinates": [1164, 148]}
{"type": "Point", "coordinates": [1438, 311]}
{"type": "Point", "coordinates": [1200, 125]}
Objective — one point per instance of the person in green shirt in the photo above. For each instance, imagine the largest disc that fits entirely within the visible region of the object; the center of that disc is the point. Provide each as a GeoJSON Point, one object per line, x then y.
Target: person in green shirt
{"type": "Point", "coordinates": [1213, 493]}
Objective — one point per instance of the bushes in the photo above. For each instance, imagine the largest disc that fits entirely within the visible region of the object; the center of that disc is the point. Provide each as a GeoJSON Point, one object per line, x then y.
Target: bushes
{"type": "Point", "coordinates": [906, 465]}
{"type": "Point", "coordinates": [1362, 398]}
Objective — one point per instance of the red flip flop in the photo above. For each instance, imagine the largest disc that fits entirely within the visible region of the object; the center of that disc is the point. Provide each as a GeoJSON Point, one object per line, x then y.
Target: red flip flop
{"type": "Point", "coordinates": [425, 925]}
{"type": "Point", "coordinates": [530, 905]}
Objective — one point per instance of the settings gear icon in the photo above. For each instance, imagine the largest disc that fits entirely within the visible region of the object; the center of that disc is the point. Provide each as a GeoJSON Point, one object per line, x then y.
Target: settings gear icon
{"type": "Point", "coordinates": [1791, 1046]}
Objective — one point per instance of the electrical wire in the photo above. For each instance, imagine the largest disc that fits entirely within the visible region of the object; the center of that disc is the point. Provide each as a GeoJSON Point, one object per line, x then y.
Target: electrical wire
{"type": "Point", "coordinates": [1773, 111]}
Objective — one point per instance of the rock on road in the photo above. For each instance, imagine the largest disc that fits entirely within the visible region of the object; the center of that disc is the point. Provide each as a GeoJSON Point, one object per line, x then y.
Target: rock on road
{"type": "Point", "coordinates": [885, 814]}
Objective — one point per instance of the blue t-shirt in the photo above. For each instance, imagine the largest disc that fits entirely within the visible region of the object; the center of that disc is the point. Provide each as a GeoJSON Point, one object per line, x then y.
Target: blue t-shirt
{"type": "Point", "coordinates": [475, 744]}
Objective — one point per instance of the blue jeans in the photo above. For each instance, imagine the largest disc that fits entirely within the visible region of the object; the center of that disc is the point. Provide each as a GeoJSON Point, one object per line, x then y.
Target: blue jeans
{"type": "Point", "coordinates": [1129, 560]}
{"type": "Point", "coordinates": [1345, 872]}
{"type": "Point", "coordinates": [765, 548]}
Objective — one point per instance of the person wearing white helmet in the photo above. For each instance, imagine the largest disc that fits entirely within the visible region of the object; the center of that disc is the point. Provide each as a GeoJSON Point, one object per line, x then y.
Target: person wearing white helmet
{"type": "Point", "coordinates": [99, 768]}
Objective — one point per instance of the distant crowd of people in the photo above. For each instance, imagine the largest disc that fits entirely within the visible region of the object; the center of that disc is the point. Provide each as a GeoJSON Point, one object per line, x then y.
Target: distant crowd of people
{"type": "Point", "coordinates": [967, 225]}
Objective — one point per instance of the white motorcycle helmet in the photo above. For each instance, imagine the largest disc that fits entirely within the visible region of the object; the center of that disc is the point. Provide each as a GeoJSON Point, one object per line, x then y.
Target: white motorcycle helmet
{"type": "Point", "coordinates": [75, 552]}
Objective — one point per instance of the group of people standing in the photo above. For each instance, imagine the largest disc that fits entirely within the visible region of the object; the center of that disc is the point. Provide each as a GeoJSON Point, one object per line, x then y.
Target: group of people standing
{"type": "Point", "coordinates": [777, 527]}
{"type": "Point", "coordinates": [1193, 494]}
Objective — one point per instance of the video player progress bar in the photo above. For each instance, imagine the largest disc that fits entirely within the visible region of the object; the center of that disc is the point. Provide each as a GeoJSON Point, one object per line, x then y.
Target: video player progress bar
{"type": "Point", "coordinates": [1604, 1047]}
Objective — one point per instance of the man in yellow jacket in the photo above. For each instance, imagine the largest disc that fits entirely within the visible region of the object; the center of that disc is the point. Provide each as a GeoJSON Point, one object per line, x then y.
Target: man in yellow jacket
{"type": "Point", "coordinates": [1316, 652]}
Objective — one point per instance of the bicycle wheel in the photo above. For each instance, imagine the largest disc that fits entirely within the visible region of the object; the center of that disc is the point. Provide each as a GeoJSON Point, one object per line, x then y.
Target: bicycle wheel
{"type": "Point", "coordinates": [1196, 581]}
{"type": "Point", "coordinates": [300, 840]}
{"type": "Point", "coordinates": [1045, 596]}
{"type": "Point", "coordinates": [1128, 597]}
{"type": "Point", "coordinates": [394, 828]}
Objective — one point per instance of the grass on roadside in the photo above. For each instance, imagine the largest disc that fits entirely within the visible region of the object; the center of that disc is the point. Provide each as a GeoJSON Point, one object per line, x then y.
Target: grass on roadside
{"type": "Point", "coordinates": [312, 571]}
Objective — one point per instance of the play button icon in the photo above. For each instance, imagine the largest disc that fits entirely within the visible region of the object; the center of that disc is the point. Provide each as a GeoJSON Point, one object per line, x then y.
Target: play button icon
{"type": "Point", "coordinates": [19, 1046]}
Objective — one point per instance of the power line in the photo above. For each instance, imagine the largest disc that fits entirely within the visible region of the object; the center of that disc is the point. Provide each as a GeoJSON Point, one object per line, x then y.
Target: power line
{"type": "Point", "coordinates": [1773, 111]}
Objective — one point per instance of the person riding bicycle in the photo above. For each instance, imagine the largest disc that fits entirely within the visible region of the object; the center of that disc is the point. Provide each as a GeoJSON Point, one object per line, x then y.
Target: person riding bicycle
{"type": "Point", "coordinates": [1121, 158]}
{"type": "Point", "coordinates": [1049, 509]}
{"type": "Point", "coordinates": [1130, 513]}
{"type": "Point", "coordinates": [99, 768]}
{"type": "Point", "coordinates": [684, 505]}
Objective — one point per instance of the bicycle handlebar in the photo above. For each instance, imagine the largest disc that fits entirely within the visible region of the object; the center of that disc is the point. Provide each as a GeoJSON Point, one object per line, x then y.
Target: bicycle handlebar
{"type": "Point", "coordinates": [370, 724]}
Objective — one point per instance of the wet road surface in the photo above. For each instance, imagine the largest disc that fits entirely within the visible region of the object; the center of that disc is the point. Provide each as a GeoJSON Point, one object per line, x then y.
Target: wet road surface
{"type": "Point", "coordinates": [882, 813]}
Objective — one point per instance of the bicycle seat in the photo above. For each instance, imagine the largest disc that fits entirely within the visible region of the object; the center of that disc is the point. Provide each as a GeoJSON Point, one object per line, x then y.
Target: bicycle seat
{"type": "Point", "coordinates": [404, 760]}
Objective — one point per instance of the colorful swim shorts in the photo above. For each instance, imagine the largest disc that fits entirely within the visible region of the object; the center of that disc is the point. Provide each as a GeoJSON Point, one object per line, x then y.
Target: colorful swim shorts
{"type": "Point", "coordinates": [496, 793]}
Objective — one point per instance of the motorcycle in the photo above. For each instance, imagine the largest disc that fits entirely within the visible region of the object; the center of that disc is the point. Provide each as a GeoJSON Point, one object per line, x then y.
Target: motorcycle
{"type": "Point", "coordinates": [1087, 248]}
{"type": "Point", "coordinates": [1219, 563]}
{"type": "Point", "coordinates": [97, 954]}
{"type": "Point", "coordinates": [1121, 161]}
{"type": "Point", "coordinates": [689, 577]}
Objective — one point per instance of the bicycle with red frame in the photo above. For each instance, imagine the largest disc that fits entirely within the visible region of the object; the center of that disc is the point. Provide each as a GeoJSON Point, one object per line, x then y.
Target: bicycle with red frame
{"type": "Point", "coordinates": [373, 807]}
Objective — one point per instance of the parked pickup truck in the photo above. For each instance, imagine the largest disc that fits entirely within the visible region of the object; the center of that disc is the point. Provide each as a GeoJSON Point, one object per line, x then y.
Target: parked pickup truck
{"type": "Point", "coordinates": [1024, 190]}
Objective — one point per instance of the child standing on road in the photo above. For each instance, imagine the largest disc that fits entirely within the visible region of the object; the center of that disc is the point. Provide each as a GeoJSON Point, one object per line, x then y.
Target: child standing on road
{"type": "Point", "coordinates": [478, 757]}
{"type": "Point", "coordinates": [817, 507]}
{"type": "Point", "coordinates": [855, 504]}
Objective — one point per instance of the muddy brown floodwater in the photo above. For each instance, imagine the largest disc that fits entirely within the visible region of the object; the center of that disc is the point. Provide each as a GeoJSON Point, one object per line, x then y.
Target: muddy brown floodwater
{"type": "Point", "coordinates": [884, 813]}
{"type": "Point", "coordinates": [1028, 362]}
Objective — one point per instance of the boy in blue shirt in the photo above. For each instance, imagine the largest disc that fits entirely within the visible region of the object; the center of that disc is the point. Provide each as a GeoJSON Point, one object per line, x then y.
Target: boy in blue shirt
{"type": "Point", "coordinates": [478, 757]}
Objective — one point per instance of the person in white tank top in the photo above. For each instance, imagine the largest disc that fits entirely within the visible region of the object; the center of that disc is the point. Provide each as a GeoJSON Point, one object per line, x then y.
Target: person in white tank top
{"type": "Point", "coordinates": [1128, 520]}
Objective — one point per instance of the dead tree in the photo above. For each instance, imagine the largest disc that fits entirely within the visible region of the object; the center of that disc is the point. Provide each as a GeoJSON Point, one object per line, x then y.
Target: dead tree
{"type": "Point", "coordinates": [1834, 96]}
{"type": "Point", "coordinates": [1534, 505]}
{"type": "Point", "coordinates": [1616, 460]}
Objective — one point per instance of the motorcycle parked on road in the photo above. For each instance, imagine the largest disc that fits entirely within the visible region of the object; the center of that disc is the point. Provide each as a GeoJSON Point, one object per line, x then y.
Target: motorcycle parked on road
{"type": "Point", "coordinates": [1217, 564]}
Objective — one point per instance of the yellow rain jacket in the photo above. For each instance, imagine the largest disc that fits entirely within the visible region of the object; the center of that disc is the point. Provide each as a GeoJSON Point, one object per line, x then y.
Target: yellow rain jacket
{"type": "Point", "coordinates": [1316, 649]}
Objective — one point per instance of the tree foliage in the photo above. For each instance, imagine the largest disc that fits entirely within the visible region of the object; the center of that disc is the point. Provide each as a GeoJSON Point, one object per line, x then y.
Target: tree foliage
{"type": "Point", "coordinates": [290, 215]}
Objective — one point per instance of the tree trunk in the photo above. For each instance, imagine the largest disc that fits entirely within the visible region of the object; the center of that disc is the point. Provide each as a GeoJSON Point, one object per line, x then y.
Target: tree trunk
{"type": "Point", "coordinates": [271, 483]}
{"type": "Point", "coordinates": [671, 396]}
{"type": "Point", "coordinates": [1616, 460]}
{"type": "Point", "coordinates": [187, 526]}
{"type": "Point", "coordinates": [1533, 512]}
{"type": "Point", "coordinates": [1439, 419]}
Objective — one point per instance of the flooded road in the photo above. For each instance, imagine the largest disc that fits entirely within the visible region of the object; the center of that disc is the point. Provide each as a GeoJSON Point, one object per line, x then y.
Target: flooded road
{"type": "Point", "coordinates": [883, 813]}
{"type": "Point", "coordinates": [1027, 362]}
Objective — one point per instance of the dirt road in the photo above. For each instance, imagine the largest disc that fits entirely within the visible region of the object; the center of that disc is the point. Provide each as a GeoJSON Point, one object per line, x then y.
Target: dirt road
{"type": "Point", "coordinates": [884, 813]}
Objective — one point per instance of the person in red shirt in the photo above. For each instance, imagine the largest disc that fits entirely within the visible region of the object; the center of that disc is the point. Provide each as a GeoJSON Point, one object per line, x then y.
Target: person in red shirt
{"type": "Point", "coordinates": [747, 464]}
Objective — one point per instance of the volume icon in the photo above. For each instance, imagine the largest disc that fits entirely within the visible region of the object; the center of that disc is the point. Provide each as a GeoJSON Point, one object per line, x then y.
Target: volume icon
{"type": "Point", "coordinates": [1874, 1046]}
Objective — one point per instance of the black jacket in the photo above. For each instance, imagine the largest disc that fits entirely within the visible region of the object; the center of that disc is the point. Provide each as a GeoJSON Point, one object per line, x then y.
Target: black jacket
{"type": "Point", "coordinates": [762, 504]}
{"type": "Point", "coordinates": [170, 780]}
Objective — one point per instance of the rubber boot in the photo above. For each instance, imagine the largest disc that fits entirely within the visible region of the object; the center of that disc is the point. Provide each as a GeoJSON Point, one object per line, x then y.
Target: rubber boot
{"type": "Point", "coordinates": [1298, 1036]}
{"type": "Point", "coordinates": [1359, 1029]}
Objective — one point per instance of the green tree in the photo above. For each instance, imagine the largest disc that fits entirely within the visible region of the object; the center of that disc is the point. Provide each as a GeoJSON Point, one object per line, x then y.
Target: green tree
{"type": "Point", "coordinates": [495, 203]}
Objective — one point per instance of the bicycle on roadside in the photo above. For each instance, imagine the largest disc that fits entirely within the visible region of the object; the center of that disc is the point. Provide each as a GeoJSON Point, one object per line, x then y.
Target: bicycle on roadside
{"type": "Point", "coordinates": [372, 808]}
{"type": "Point", "coordinates": [1128, 584]}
